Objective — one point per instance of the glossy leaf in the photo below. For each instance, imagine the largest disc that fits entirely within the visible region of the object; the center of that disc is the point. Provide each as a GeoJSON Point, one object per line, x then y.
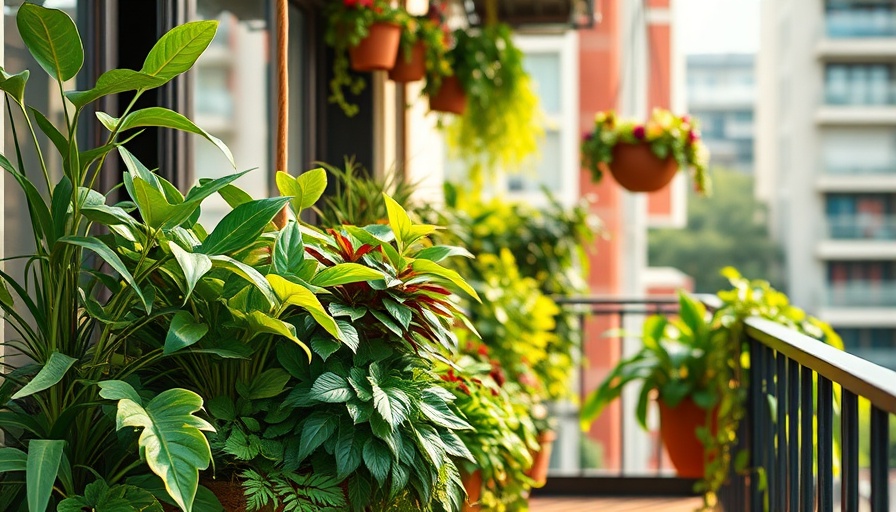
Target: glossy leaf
{"type": "Point", "coordinates": [171, 439]}
{"type": "Point", "coordinates": [297, 295]}
{"type": "Point", "coordinates": [347, 453]}
{"type": "Point", "coordinates": [178, 49]}
{"type": "Point", "coordinates": [14, 85]}
{"type": "Point", "coordinates": [48, 376]}
{"type": "Point", "coordinates": [262, 323]}
{"type": "Point", "coordinates": [112, 259]}
{"type": "Point", "coordinates": [331, 388]}
{"type": "Point", "coordinates": [248, 273]}
{"type": "Point", "coordinates": [53, 40]}
{"type": "Point", "coordinates": [115, 81]}
{"type": "Point", "coordinates": [242, 226]}
{"type": "Point", "coordinates": [344, 273]}
{"type": "Point", "coordinates": [183, 332]}
{"type": "Point", "coordinates": [316, 429]}
{"type": "Point", "coordinates": [12, 459]}
{"type": "Point", "coordinates": [440, 252]}
{"type": "Point", "coordinates": [398, 219]}
{"type": "Point", "coordinates": [193, 265]}
{"type": "Point", "coordinates": [429, 267]}
{"type": "Point", "coordinates": [268, 384]}
{"type": "Point", "coordinates": [289, 251]}
{"type": "Point", "coordinates": [41, 468]}
{"type": "Point", "coordinates": [377, 459]}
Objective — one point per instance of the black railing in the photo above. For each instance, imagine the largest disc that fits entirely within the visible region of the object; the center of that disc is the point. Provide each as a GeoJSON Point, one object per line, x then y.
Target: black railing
{"type": "Point", "coordinates": [795, 385]}
{"type": "Point", "coordinates": [794, 390]}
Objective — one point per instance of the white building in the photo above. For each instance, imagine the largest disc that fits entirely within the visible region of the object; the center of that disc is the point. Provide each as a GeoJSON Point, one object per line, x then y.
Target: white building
{"type": "Point", "coordinates": [826, 160]}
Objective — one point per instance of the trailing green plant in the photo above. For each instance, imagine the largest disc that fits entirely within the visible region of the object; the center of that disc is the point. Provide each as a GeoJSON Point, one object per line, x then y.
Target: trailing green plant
{"type": "Point", "coordinates": [348, 23]}
{"type": "Point", "coordinates": [703, 355]}
{"type": "Point", "coordinates": [503, 435]}
{"type": "Point", "coordinates": [431, 33]}
{"type": "Point", "coordinates": [78, 306]}
{"type": "Point", "coordinates": [501, 125]}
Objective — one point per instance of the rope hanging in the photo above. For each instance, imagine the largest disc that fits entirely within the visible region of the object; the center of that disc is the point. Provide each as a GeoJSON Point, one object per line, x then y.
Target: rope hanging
{"type": "Point", "coordinates": [282, 22]}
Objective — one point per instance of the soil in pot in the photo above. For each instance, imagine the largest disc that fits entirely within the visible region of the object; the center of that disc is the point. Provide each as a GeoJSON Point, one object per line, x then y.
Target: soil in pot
{"type": "Point", "coordinates": [450, 98]}
{"type": "Point", "coordinates": [637, 169]}
{"type": "Point", "coordinates": [378, 51]}
{"type": "Point", "coordinates": [678, 427]}
{"type": "Point", "coordinates": [406, 70]}
{"type": "Point", "coordinates": [541, 459]}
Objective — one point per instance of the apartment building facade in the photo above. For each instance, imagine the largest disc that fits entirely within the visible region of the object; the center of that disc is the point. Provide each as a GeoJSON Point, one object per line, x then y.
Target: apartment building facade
{"type": "Point", "coordinates": [826, 161]}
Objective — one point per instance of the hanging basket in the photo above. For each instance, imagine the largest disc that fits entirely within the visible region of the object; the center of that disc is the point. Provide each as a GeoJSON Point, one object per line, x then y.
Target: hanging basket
{"type": "Point", "coordinates": [450, 98]}
{"type": "Point", "coordinates": [678, 430]}
{"type": "Point", "coordinates": [637, 169]}
{"type": "Point", "coordinates": [377, 51]}
{"type": "Point", "coordinates": [410, 70]}
{"type": "Point", "coordinates": [541, 459]}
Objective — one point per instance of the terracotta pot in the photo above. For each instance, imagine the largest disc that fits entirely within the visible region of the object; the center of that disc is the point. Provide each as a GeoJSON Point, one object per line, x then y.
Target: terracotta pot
{"type": "Point", "coordinates": [378, 50]}
{"type": "Point", "coordinates": [473, 485]}
{"type": "Point", "coordinates": [637, 169]}
{"type": "Point", "coordinates": [450, 98]}
{"type": "Point", "coordinates": [410, 70]}
{"type": "Point", "coordinates": [541, 459]}
{"type": "Point", "coordinates": [678, 430]}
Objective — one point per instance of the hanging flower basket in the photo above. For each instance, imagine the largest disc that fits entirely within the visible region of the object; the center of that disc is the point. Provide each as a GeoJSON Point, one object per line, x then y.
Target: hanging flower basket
{"type": "Point", "coordinates": [644, 156]}
{"type": "Point", "coordinates": [410, 69]}
{"type": "Point", "coordinates": [450, 97]}
{"type": "Point", "coordinates": [379, 50]}
{"type": "Point", "coordinates": [678, 427]}
{"type": "Point", "coordinates": [637, 169]}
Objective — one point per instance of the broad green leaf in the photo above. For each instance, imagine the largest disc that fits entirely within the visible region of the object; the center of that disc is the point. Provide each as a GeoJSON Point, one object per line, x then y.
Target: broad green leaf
{"type": "Point", "coordinates": [248, 273]}
{"type": "Point", "coordinates": [438, 412]}
{"type": "Point", "coordinates": [377, 459]}
{"type": "Point", "coordinates": [268, 384]}
{"type": "Point", "coordinates": [398, 219]}
{"type": "Point", "coordinates": [52, 38]}
{"type": "Point", "coordinates": [52, 133]}
{"type": "Point", "coordinates": [348, 453]}
{"type": "Point", "coordinates": [297, 295]}
{"type": "Point", "coordinates": [353, 312]}
{"type": "Point", "coordinates": [312, 184]}
{"type": "Point", "coordinates": [289, 251]}
{"type": "Point", "coordinates": [163, 118]}
{"type": "Point", "coordinates": [400, 312]}
{"type": "Point", "coordinates": [171, 441]}
{"type": "Point", "coordinates": [183, 332]}
{"type": "Point", "coordinates": [41, 468]}
{"type": "Point", "coordinates": [12, 459]}
{"type": "Point", "coordinates": [14, 85]}
{"type": "Point", "coordinates": [429, 267]}
{"type": "Point", "coordinates": [384, 406]}
{"type": "Point", "coordinates": [115, 81]}
{"type": "Point", "coordinates": [325, 346]}
{"type": "Point", "coordinates": [289, 187]}
{"type": "Point", "coordinates": [119, 390]}
{"type": "Point", "coordinates": [48, 376]}
{"type": "Point", "coordinates": [154, 208]}
{"type": "Point", "coordinates": [348, 335]}
{"type": "Point", "coordinates": [344, 273]}
{"type": "Point", "coordinates": [242, 226]}
{"type": "Point", "coordinates": [331, 388]}
{"type": "Point", "coordinates": [440, 252]}
{"type": "Point", "coordinates": [60, 205]}
{"type": "Point", "coordinates": [455, 446]}
{"type": "Point", "coordinates": [232, 195]}
{"type": "Point", "coordinates": [107, 215]}
{"type": "Point", "coordinates": [112, 259]}
{"type": "Point", "coordinates": [193, 265]}
{"type": "Point", "coordinates": [317, 429]}
{"type": "Point", "coordinates": [262, 323]}
{"type": "Point", "coordinates": [178, 49]}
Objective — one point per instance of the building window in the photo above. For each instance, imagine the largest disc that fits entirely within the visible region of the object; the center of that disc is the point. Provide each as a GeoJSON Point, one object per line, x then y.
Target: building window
{"type": "Point", "coordinates": [860, 84]}
{"type": "Point", "coordinates": [876, 344]}
{"type": "Point", "coordinates": [861, 283]}
{"type": "Point", "coordinates": [861, 216]}
{"type": "Point", "coordinates": [860, 18]}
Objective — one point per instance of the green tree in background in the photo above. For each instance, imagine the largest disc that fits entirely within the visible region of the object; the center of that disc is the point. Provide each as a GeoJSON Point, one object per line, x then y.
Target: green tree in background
{"type": "Point", "coordinates": [728, 228]}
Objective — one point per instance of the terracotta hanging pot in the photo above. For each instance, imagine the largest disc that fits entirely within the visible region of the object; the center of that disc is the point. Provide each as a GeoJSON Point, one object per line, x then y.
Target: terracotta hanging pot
{"type": "Point", "coordinates": [377, 51]}
{"type": "Point", "coordinates": [541, 459]}
{"type": "Point", "coordinates": [637, 169]}
{"type": "Point", "coordinates": [450, 98]}
{"type": "Point", "coordinates": [406, 70]}
{"type": "Point", "coordinates": [678, 427]}
{"type": "Point", "coordinates": [473, 485]}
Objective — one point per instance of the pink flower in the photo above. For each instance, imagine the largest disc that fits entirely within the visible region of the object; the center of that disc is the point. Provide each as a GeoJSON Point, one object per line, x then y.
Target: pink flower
{"type": "Point", "coordinates": [693, 136]}
{"type": "Point", "coordinates": [638, 132]}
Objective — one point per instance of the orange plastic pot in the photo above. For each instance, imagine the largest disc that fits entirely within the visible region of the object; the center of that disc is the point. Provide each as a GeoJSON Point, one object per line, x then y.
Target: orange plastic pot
{"type": "Point", "coordinates": [410, 70]}
{"type": "Point", "coordinates": [541, 459]}
{"type": "Point", "coordinates": [377, 51]}
{"type": "Point", "coordinates": [678, 430]}
{"type": "Point", "coordinates": [450, 97]}
{"type": "Point", "coordinates": [473, 485]}
{"type": "Point", "coordinates": [637, 169]}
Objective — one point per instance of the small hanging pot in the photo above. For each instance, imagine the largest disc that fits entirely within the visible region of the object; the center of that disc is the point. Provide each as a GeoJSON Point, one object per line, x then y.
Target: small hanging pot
{"type": "Point", "coordinates": [410, 70]}
{"type": "Point", "coordinates": [377, 51]}
{"type": "Point", "coordinates": [450, 97]}
{"type": "Point", "coordinates": [638, 169]}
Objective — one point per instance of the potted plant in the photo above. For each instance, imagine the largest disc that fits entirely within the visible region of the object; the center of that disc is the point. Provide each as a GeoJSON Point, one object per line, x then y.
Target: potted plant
{"type": "Point", "coordinates": [644, 157]}
{"type": "Point", "coordinates": [364, 35]}
{"type": "Point", "coordinates": [78, 426]}
{"type": "Point", "coordinates": [503, 124]}
{"type": "Point", "coordinates": [422, 52]}
{"type": "Point", "coordinates": [691, 364]}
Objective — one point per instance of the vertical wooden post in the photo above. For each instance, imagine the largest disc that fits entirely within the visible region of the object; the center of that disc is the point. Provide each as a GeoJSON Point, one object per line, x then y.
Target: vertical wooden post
{"type": "Point", "coordinates": [282, 23]}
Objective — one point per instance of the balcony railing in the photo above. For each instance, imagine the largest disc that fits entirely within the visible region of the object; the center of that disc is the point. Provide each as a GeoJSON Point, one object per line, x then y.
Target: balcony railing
{"type": "Point", "coordinates": [861, 227]}
{"type": "Point", "coordinates": [859, 169]}
{"type": "Point", "coordinates": [795, 384]}
{"type": "Point", "coordinates": [862, 294]}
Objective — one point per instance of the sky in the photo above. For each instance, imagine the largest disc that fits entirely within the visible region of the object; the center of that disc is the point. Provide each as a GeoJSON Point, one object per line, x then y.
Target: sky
{"type": "Point", "coordinates": [717, 26]}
